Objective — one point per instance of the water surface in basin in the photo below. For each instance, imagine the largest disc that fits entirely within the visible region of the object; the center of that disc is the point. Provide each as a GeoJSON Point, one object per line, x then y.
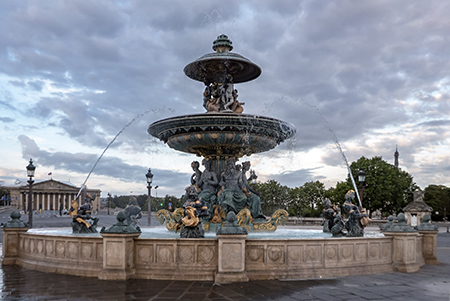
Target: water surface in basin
{"type": "Point", "coordinates": [162, 232]}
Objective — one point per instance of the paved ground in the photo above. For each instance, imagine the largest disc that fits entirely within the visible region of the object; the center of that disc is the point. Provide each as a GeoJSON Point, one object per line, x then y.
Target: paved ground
{"type": "Point", "coordinates": [430, 283]}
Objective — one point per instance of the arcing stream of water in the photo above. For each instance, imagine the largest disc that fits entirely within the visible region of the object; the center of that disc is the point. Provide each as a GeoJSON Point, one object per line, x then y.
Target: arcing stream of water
{"type": "Point", "coordinates": [338, 145]}
{"type": "Point", "coordinates": [109, 144]}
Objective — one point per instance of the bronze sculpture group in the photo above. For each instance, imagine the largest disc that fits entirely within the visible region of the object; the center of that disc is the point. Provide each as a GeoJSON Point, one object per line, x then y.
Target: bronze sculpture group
{"type": "Point", "coordinates": [355, 224]}
{"type": "Point", "coordinates": [81, 216]}
{"type": "Point", "coordinates": [211, 198]}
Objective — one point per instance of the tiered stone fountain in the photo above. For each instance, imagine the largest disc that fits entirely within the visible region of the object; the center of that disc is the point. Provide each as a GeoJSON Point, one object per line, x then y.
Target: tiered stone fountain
{"type": "Point", "coordinates": [223, 133]}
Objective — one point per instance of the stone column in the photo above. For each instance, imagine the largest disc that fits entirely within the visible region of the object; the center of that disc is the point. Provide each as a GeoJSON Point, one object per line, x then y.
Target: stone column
{"type": "Point", "coordinates": [407, 254]}
{"type": "Point", "coordinates": [118, 256]}
{"type": "Point", "coordinates": [429, 246]}
{"type": "Point", "coordinates": [10, 245]}
{"type": "Point", "coordinates": [231, 265]}
{"type": "Point", "coordinates": [118, 250]}
{"type": "Point", "coordinates": [54, 202]}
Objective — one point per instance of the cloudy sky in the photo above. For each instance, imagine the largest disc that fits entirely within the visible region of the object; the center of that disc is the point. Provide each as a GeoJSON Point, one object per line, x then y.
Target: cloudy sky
{"type": "Point", "coordinates": [73, 74]}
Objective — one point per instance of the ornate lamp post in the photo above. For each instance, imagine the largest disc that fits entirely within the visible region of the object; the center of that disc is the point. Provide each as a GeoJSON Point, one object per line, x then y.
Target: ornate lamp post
{"type": "Point", "coordinates": [30, 173]}
{"type": "Point", "coordinates": [149, 176]}
{"type": "Point", "coordinates": [361, 179]}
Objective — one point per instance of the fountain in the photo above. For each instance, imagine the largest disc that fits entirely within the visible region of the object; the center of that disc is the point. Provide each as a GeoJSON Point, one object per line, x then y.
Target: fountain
{"type": "Point", "coordinates": [222, 135]}
{"type": "Point", "coordinates": [238, 252]}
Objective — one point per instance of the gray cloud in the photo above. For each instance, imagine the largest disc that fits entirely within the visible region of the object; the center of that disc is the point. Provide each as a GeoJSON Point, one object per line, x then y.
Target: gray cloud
{"type": "Point", "coordinates": [82, 163]}
{"type": "Point", "coordinates": [349, 68]}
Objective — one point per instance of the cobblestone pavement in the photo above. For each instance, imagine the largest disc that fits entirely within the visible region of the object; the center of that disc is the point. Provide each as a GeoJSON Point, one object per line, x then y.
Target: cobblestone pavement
{"type": "Point", "coordinates": [430, 283]}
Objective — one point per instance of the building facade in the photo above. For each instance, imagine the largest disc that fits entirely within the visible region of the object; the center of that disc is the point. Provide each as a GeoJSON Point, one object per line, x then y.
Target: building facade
{"type": "Point", "coordinates": [50, 195]}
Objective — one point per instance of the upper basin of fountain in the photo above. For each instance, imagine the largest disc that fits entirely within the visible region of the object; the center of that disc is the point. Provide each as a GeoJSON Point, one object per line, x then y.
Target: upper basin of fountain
{"type": "Point", "coordinates": [222, 134]}
{"type": "Point", "coordinates": [213, 67]}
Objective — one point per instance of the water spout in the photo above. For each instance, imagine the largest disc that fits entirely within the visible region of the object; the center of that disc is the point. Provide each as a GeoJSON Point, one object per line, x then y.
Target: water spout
{"type": "Point", "coordinates": [338, 146]}
{"type": "Point", "coordinates": [109, 144]}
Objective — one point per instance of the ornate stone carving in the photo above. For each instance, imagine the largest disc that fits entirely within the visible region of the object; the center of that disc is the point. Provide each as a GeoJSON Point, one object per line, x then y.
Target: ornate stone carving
{"type": "Point", "coordinates": [165, 254]}
{"type": "Point", "coordinates": [255, 254]}
{"type": "Point", "coordinates": [205, 254]}
{"type": "Point", "coordinates": [331, 252]}
{"type": "Point", "coordinates": [313, 253]}
{"type": "Point", "coordinates": [49, 247]}
{"type": "Point", "coordinates": [186, 254]}
{"type": "Point", "coordinates": [275, 253]}
{"type": "Point", "coordinates": [72, 249]}
{"type": "Point", "coordinates": [40, 246]}
{"type": "Point", "coordinates": [144, 254]}
{"type": "Point", "coordinates": [86, 251]}
{"type": "Point", "coordinates": [347, 252]}
{"type": "Point", "coordinates": [60, 249]}
{"type": "Point", "coordinates": [295, 253]}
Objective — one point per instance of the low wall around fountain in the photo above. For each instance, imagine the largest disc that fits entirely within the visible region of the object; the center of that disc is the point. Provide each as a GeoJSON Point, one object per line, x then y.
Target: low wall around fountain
{"type": "Point", "coordinates": [226, 258]}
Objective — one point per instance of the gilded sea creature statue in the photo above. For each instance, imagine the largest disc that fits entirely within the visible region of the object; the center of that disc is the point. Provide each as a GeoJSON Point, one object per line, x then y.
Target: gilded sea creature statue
{"type": "Point", "coordinates": [164, 215]}
{"type": "Point", "coordinates": [246, 221]}
{"type": "Point", "coordinates": [195, 209]}
{"type": "Point", "coordinates": [81, 216]}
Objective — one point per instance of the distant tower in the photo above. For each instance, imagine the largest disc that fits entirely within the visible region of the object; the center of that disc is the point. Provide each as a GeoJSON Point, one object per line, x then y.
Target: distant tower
{"type": "Point", "coordinates": [396, 157]}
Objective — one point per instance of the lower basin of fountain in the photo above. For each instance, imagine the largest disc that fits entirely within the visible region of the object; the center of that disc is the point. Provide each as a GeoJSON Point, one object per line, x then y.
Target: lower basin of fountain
{"type": "Point", "coordinates": [161, 232]}
{"type": "Point", "coordinates": [159, 254]}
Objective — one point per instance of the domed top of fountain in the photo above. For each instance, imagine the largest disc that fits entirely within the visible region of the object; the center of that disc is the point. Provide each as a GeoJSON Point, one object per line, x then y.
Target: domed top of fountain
{"type": "Point", "coordinates": [213, 67]}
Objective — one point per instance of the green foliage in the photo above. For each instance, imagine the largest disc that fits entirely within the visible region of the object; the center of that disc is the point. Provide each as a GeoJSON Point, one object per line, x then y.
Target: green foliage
{"type": "Point", "coordinates": [438, 197]}
{"type": "Point", "coordinates": [315, 195]}
{"type": "Point", "coordinates": [386, 188]}
{"type": "Point", "coordinates": [306, 200]}
{"type": "Point", "coordinates": [337, 194]}
{"type": "Point", "coordinates": [273, 195]}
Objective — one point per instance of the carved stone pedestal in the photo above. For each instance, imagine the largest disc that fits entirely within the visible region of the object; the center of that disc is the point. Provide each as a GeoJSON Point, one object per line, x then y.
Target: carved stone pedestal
{"type": "Point", "coordinates": [231, 265]}
{"type": "Point", "coordinates": [11, 244]}
{"type": "Point", "coordinates": [407, 251]}
{"type": "Point", "coordinates": [429, 245]}
{"type": "Point", "coordinates": [118, 256]}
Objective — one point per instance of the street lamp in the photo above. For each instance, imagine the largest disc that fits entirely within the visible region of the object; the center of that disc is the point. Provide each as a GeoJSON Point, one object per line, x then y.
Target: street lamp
{"type": "Point", "coordinates": [30, 173]}
{"type": "Point", "coordinates": [156, 193]}
{"type": "Point", "coordinates": [149, 177]}
{"type": "Point", "coordinates": [109, 200]}
{"type": "Point", "coordinates": [361, 180]}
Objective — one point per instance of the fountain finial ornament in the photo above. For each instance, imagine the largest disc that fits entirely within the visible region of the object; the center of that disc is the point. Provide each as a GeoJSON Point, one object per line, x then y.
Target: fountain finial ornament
{"type": "Point", "coordinates": [222, 44]}
{"type": "Point", "coordinates": [121, 227]}
{"type": "Point", "coordinates": [15, 221]}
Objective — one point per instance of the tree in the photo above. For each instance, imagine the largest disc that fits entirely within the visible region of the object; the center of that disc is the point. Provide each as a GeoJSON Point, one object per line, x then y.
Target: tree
{"type": "Point", "coordinates": [437, 197]}
{"type": "Point", "coordinates": [297, 202]}
{"type": "Point", "coordinates": [387, 188]}
{"type": "Point", "coordinates": [273, 196]}
{"type": "Point", "coordinates": [315, 192]}
{"type": "Point", "coordinates": [337, 194]}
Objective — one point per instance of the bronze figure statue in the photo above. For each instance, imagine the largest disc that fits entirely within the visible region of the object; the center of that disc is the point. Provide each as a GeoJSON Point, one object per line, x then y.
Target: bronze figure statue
{"type": "Point", "coordinates": [194, 211]}
{"type": "Point", "coordinates": [81, 215]}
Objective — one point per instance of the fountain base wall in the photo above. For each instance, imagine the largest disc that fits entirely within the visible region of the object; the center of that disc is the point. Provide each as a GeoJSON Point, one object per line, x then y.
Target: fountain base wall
{"type": "Point", "coordinates": [223, 259]}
